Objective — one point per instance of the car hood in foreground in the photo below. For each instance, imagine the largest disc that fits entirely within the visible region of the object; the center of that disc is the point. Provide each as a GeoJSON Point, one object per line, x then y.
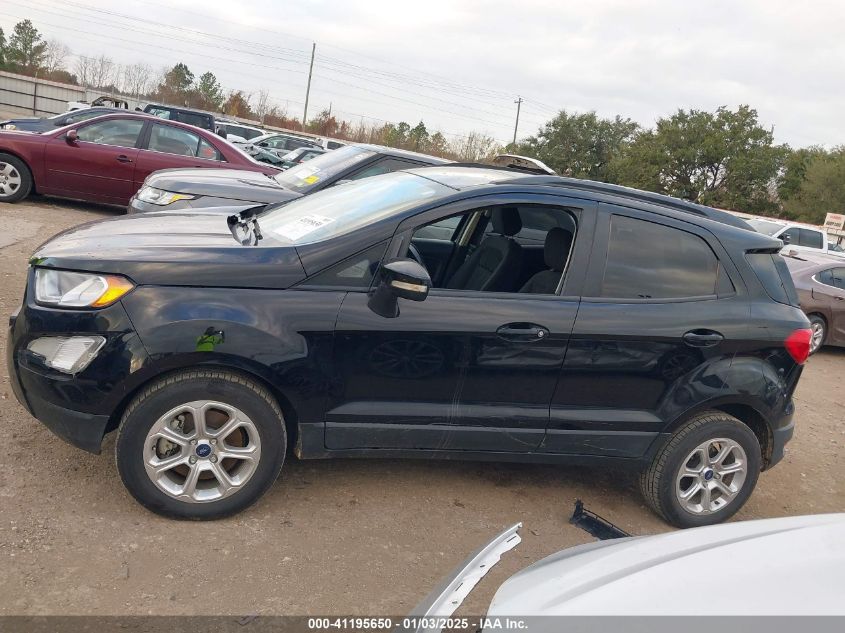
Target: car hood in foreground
{"type": "Point", "coordinates": [176, 249]}
{"type": "Point", "coordinates": [231, 184]}
{"type": "Point", "coordinates": [788, 566]}
{"type": "Point", "coordinates": [29, 125]}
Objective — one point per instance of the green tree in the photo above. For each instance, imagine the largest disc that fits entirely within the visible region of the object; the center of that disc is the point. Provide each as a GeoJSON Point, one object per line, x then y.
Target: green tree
{"type": "Point", "coordinates": [323, 124]}
{"type": "Point", "coordinates": [795, 170]}
{"type": "Point", "coordinates": [175, 85]}
{"type": "Point", "coordinates": [210, 91]}
{"type": "Point", "coordinates": [418, 138]}
{"type": "Point", "coordinates": [822, 188]}
{"type": "Point", "coordinates": [238, 105]}
{"type": "Point", "coordinates": [723, 158]}
{"type": "Point", "coordinates": [580, 145]}
{"type": "Point", "coordinates": [26, 50]}
{"type": "Point", "coordinates": [438, 145]}
{"type": "Point", "coordinates": [2, 50]}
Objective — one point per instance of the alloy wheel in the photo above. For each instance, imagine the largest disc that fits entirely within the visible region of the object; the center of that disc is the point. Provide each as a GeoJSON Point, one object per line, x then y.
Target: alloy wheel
{"type": "Point", "coordinates": [817, 336]}
{"type": "Point", "coordinates": [202, 451]}
{"type": "Point", "coordinates": [10, 180]}
{"type": "Point", "coordinates": [711, 476]}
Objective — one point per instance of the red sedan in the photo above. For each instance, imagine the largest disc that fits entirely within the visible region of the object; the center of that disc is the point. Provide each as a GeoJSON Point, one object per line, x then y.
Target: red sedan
{"type": "Point", "coordinates": [106, 159]}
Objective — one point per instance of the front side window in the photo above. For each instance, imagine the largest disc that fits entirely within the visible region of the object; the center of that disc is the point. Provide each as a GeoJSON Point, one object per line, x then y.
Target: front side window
{"type": "Point", "coordinates": [174, 140]}
{"type": "Point", "coordinates": [652, 261]}
{"type": "Point", "coordinates": [810, 238]}
{"type": "Point", "coordinates": [121, 132]}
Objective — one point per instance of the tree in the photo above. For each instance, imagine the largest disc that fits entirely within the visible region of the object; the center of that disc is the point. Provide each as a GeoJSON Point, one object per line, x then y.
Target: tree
{"type": "Point", "coordinates": [175, 85]}
{"type": "Point", "coordinates": [822, 188]}
{"type": "Point", "coordinates": [418, 138]}
{"type": "Point", "coordinates": [102, 72]}
{"type": "Point", "coordinates": [2, 49]}
{"type": "Point", "coordinates": [580, 145]}
{"type": "Point", "coordinates": [723, 158]}
{"type": "Point", "coordinates": [210, 92]}
{"type": "Point", "coordinates": [262, 106]}
{"type": "Point", "coordinates": [323, 124]}
{"type": "Point", "coordinates": [136, 79]}
{"type": "Point", "coordinates": [55, 55]}
{"type": "Point", "coordinates": [26, 50]}
{"type": "Point", "coordinates": [238, 105]}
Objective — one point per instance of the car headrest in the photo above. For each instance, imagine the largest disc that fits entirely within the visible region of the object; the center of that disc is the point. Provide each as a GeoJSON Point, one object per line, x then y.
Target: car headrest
{"type": "Point", "coordinates": [506, 221]}
{"type": "Point", "coordinates": [556, 248]}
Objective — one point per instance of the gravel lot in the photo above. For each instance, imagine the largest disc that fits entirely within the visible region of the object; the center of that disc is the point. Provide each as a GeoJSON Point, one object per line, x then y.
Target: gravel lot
{"type": "Point", "coordinates": [331, 537]}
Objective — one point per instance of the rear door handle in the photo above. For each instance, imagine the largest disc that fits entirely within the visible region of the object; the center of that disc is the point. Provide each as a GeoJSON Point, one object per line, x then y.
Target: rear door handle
{"type": "Point", "coordinates": [523, 332]}
{"type": "Point", "coordinates": [123, 158]}
{"type": "Point", "coordinates": [702, 338]}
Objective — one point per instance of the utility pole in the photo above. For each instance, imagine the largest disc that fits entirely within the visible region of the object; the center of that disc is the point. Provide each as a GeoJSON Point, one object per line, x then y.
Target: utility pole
{"type": "Point", "coordinates": [518, 103]}
{"type": "Point", "coordinates": [308, 89]}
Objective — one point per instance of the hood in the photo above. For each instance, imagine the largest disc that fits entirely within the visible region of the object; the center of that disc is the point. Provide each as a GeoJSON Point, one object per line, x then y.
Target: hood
{"type": "Point", "coordinates": [230, 184]}
{"type": "Point", "coordinates": [29, 125]}
{"type": "Point", "coordinates": [177, 249]}
{"type": "Point", "coordinates": [683, 573]}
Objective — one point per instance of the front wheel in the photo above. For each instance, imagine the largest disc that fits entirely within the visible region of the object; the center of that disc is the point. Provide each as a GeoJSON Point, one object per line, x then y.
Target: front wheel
{"type": "Point", "coordinates": [15, 179]}
{"type": "Point", "coordinates": [201, 444]}
{"type": "Point", "coordinates": [705, 473]}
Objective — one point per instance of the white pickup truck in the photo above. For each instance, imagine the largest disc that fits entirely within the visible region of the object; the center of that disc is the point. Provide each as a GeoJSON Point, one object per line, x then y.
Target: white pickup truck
{"type": "Point", "coordinates": [797, 237]}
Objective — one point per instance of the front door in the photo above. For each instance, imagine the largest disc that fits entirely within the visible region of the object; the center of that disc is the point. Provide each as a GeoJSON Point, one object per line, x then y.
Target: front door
{"type": "Point", "coordinates": [99, 165]}
{"type": "Point", "coordinates": [466, 369]}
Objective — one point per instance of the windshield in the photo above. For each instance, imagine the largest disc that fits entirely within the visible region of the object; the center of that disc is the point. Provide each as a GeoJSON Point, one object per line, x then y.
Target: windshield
{"type": "Point", "coordinates": [345, 208]}
{"type": "Point", "coordinates": [766, 227]}
{"type": "Point", "coordinates": [306, 176]}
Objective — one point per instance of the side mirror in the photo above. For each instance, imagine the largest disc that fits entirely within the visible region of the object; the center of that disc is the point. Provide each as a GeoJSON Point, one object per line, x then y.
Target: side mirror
{"type": "Point", "coordinates": [221, 132]}
{"type": "Point", "coordinates": [72, 137]}
{"type": "Point", "coordinates": [786, 238]}
{"type": "Point", "coordinates": [399, 278]}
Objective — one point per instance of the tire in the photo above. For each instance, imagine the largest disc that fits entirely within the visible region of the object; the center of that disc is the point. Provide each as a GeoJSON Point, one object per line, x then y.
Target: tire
{"type": "Point", "coordinates": [209, 470]}
{"type": "Point", "coordinates": [15, 179]}
{"type": "Point", "coordinates": [663, 484]}
{"type": "Point", "coordinates": [819, 336]}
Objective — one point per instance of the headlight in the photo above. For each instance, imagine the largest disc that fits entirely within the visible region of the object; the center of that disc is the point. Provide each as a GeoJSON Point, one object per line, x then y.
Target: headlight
{"type": "Point", "coordinates": [65, 289]}
{"type": "Point", "coordinates": [67, 354]}
{"type": "Point", "coordinates": [160, 196]}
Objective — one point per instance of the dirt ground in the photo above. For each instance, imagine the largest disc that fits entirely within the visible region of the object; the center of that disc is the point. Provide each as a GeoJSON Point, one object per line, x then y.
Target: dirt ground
{"type": "Point", "coordinates": [331, 537]}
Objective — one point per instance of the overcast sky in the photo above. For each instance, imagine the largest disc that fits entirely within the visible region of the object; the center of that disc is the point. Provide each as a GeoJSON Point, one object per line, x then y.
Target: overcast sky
{"type": "Point", "coordinates": [459, 64]}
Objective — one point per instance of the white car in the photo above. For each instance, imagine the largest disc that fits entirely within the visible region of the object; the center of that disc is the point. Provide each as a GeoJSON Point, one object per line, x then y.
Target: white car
{"type": "Point", "coordinates": [238, 132]}
{"type": "Point", "coordinates": [796, 237]}
{"type": "Point", "coordinates": [771, 567]}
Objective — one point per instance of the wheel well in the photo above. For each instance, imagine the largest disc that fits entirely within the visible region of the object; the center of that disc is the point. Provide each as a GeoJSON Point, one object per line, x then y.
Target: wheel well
{"type": "Point", "coordinates": [756, 422]}
{"type": "Point", "coordinates": [23, 160]}
{"type": "Point", "coordinates": [289, 413]}
{"type": "Point", "coordinates": [818, 314]}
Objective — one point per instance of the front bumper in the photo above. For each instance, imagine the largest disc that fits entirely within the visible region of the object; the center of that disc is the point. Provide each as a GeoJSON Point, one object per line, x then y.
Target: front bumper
{"type": "Point", "coordinates": [77, 408]}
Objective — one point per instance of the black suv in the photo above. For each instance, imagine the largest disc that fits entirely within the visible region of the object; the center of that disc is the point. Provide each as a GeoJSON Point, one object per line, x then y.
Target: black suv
{"type": "Point", "coordinates": [444, 312]}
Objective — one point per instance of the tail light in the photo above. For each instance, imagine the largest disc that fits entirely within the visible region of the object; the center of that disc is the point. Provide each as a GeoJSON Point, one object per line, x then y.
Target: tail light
{"type": "Point", "coordinates": [798, 345]}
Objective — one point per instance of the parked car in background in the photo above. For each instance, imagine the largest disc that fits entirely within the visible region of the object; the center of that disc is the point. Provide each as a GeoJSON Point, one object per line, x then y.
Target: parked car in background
{"type": "Point", "coordinates": [237, 132]}
{"type": "Point", "coordinates": [220, 191]}
{"type": "Point", "coordinates": [525, 163]}
{"type": "Point", "coordinates": [109, 102]}
{"type": "Point", "coordinates": [282, 143]}
{"type": "Point", "coordinates": [797, 238]}
{"type": "Point", "coordinates": [45, 124]}
{"type": "Point", "coordinates": [331, 143]}
{"type": "Point", "coordinates": [107, 158]}
{"type": "Point", "coordinates": [197, 118]}
{"type": "Point", "coordinates": [301, 155]}
{"type": "Point", "coordinates": [820, 281]}
{"type": "Point", "coordinates": [656, 575]}
{"type": "Point", "coordinates": [336, 319]}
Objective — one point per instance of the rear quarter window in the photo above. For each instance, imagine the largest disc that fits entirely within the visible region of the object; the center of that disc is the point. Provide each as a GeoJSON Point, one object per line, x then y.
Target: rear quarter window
{"type": "Point", "coordinates": [773, 274]}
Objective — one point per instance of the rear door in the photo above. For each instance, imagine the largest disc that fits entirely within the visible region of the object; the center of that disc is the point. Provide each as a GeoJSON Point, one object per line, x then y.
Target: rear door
{"type": "Point", "coordinates": [165, 146]}
{"type": "Point", "coordinates": [662, 302]}
{"type": "Point", "coordinates": [100, 165]}
{"type": "Point", "coordinates": [830, 292]}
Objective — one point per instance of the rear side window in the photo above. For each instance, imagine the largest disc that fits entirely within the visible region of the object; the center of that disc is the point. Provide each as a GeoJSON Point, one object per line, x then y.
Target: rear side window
{"type": "Point", "coordinates": [773, 273]}
{"type": "Point", "coordinates": [652, 261]}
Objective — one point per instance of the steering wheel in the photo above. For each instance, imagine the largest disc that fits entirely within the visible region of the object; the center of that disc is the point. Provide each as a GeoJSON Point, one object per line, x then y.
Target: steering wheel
{"type": "Point", "coordinates": [415, 255]}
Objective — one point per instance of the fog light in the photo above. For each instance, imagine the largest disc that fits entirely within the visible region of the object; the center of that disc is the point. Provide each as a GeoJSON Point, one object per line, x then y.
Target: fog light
{"type": "Point", "coordinates": [67, 354]}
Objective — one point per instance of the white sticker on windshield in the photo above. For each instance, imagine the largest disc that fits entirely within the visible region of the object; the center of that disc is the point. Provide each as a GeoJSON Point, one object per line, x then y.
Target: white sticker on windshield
{"type": "Point", "coordinates": [303, 226]}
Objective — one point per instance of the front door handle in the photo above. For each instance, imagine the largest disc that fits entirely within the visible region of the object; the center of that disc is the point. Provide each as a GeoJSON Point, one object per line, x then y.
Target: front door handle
{"type": "Point", "coordinates": [123, 158]}
{"type": "Point", "coordinates": [702, 338]}
{"type": "Point", "coordinates": [523, 332]}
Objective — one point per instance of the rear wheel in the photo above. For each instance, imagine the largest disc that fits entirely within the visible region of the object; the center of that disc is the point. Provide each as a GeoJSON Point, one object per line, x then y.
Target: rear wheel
{"type": "Point", "coordinates": [705, 472]}
{"type": "Point", "coordinates": [15, 179]}
{"type": "Point", "coordinates": [819, 329]}
{"type": "Point", "coordinates": [201, 444]}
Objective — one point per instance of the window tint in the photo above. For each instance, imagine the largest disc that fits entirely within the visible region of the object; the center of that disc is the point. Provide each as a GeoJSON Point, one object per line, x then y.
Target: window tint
{"type": "Point", "coordinates": [83, 115]}
{"type": "Point", "coordinates": [811, 238]}
{"type": "Point", "coordinates": [382, 166]}
{"type": "Point", "coordinates": [773, 273]}
{"type": "Point", "coordinates": [826, 277]}
{"type": "Point", "coordinates": [356, 271]}
{"type": "Point", "coordinates": [174, 140]}
{"type": "Point", "coordinates": [121, 132]}
{"type": "Point", "coordinates": [440, 230]}
{"type": "Point", "coordinates": [207, 150]}
{"type": "Point", "coordinates": [652, 261]}
{"type": "Point", "coordinates": [839, 278]}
